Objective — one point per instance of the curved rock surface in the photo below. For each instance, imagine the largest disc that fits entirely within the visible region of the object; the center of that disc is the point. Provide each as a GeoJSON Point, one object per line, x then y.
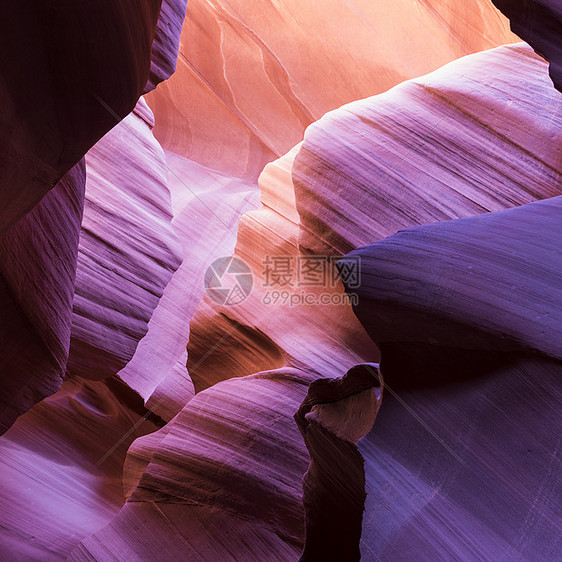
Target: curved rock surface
{"type": "Point", "coordinates": [59, 96]}
{"type": "Point", "coordinates": [489, 282]}
{"type": "Point", "coordinates": [335, 415]}
{"type": "Point", "coordinates": [233, 341]}
{"type": "Point", "coordinates": [462, 312]}
{"type": "Point", "coordinates": [231, 463]}
{"type": "Point", "coordinates": [206, 206]}
{"type": "Point", "coordinates": [84, 70]}
{"type": "Point", "coordinates": [539, 22]}
{"type": "Point", "coordinates": [466, 471]}
{"type": "Point", "coordinates": [37, 273]}
{"type": "Point", "coordinates": [128, 251]}
{"type": "Point", "coordinates": [462, 167]}
{"type": "Point", "coordinates": [166, 42]}
{"type": "Point", "coordinates": [198, 96]}
{"type": "Point", "coordinates": [59, 484]}
{"type": "Point", "coordinates": [249, 81]}
{"type": "Point", "coordinates": [232, 459]}
{"type": "Point", "coordinates": [362, 173]}
{"type": "Point", "coordinates": [463, 140]}
{"type": "Point", "coordinates": [223, 478]}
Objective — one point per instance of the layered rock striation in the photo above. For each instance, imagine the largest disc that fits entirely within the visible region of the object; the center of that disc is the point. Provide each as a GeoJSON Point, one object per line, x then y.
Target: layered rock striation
{"type": "Point", "coordinates": [190, 426]}
{"type": "Point", "coordinates": [80, 71]}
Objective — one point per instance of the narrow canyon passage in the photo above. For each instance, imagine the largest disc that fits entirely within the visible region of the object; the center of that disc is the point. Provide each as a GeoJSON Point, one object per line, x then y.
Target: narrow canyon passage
{"type": "Point", "coordinates": [280, 280]}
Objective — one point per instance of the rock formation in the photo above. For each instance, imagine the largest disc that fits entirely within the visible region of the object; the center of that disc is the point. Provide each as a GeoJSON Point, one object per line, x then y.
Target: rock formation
{"type": "Point", "coordinates": [80, 70]}
{"type": "Point", "coordinates": [333, 417]}
{"type": "Point", "coordinates": [239, 474]}
{"type": "Point", "coordinates": [383, 177]}
{"type": "Point", "coordinates": [438, 278]}
{"type": "Point", "coordinates": [59, 484]}
{"type": "Point", "coordinates": [539, 22]}
{"type": "Point", "coordinates": [38, 270]}
{"type": "Point", "coordinates": [359, 167]}
{"type": "Point", "coordinates": [436, 148]}
{"type": "Point", "coordinates": [84, 71]}
{"type": "Point", "coordinates": [249, 80]}
{"type": "Point", "coordinates": [128, 250]}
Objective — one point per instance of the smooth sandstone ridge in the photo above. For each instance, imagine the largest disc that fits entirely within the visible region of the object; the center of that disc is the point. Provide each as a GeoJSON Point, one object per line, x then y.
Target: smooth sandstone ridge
{"type": "Point", "coordinates": [79, 72]}
{"type": "Point", "coordinates": [128, 250]}
{"type": "Point", "coordinates": [229, 486]}
{"type": "Point", "coordinates": [249, 81]}
{"type": "Point", "coordinates": [478, 135]}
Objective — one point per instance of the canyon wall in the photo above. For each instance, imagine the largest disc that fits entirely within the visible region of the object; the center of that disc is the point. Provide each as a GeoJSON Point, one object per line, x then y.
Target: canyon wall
{"type": "Point", "coordinates": [380, 183]}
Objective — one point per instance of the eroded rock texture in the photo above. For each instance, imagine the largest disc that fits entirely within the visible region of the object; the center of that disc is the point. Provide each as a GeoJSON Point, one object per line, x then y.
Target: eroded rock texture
{"type": "Point", "coordinates": [166, 42]}
{"type": "Point", "coordinates": [249, 80]}
{"type": "Point", "coordinates": [365, 172]}
{"type": "Point", "coordinates": [441, 274]}
{"type": "Point", "coordinates": [226, 122]}
{"type": "Point", "coordinates": [362, 173]}
{"type": "Point", "coordinates": [539, 22]}
{"type": "Point", "coordinates": [206, 206]}
{"type": "Point", "coordinates": [128, 250]}
{"type": "Point", "coordinates": [189, 428]}
{"type": "Point", "coordinates": [480, 134]}
{"type": "Point", "coordinates": [64, 84]}
{"type": "Point", "coordinates": [466, 471]}
{"type": "Point", "coordinates": [465, 315]}
{"type": "Point", "coordinates": [70, 448]}
{"type": "Point", "coordinates": [228, 341]}
{"type": "Point", "coordinates": [58, 481]}
{"type": "Point", "coordinates": [37, 274]}
{"type": "Point", "coordinates": [333, 417]}
{"type": "Point", "coordinates": [228, 485]}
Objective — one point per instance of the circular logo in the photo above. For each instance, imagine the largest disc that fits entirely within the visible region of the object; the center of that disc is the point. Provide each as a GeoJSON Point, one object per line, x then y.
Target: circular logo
{"type": "Point", "coordinates": [228, 280]}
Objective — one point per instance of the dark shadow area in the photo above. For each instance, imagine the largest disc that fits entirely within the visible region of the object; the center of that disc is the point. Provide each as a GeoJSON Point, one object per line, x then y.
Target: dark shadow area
{"type": "Point", "coordinates": [410, 365]}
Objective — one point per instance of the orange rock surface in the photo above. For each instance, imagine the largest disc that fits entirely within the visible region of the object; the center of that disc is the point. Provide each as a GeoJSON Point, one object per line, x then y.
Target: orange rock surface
{"type": "Point", "coordinates": [251, 76]}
